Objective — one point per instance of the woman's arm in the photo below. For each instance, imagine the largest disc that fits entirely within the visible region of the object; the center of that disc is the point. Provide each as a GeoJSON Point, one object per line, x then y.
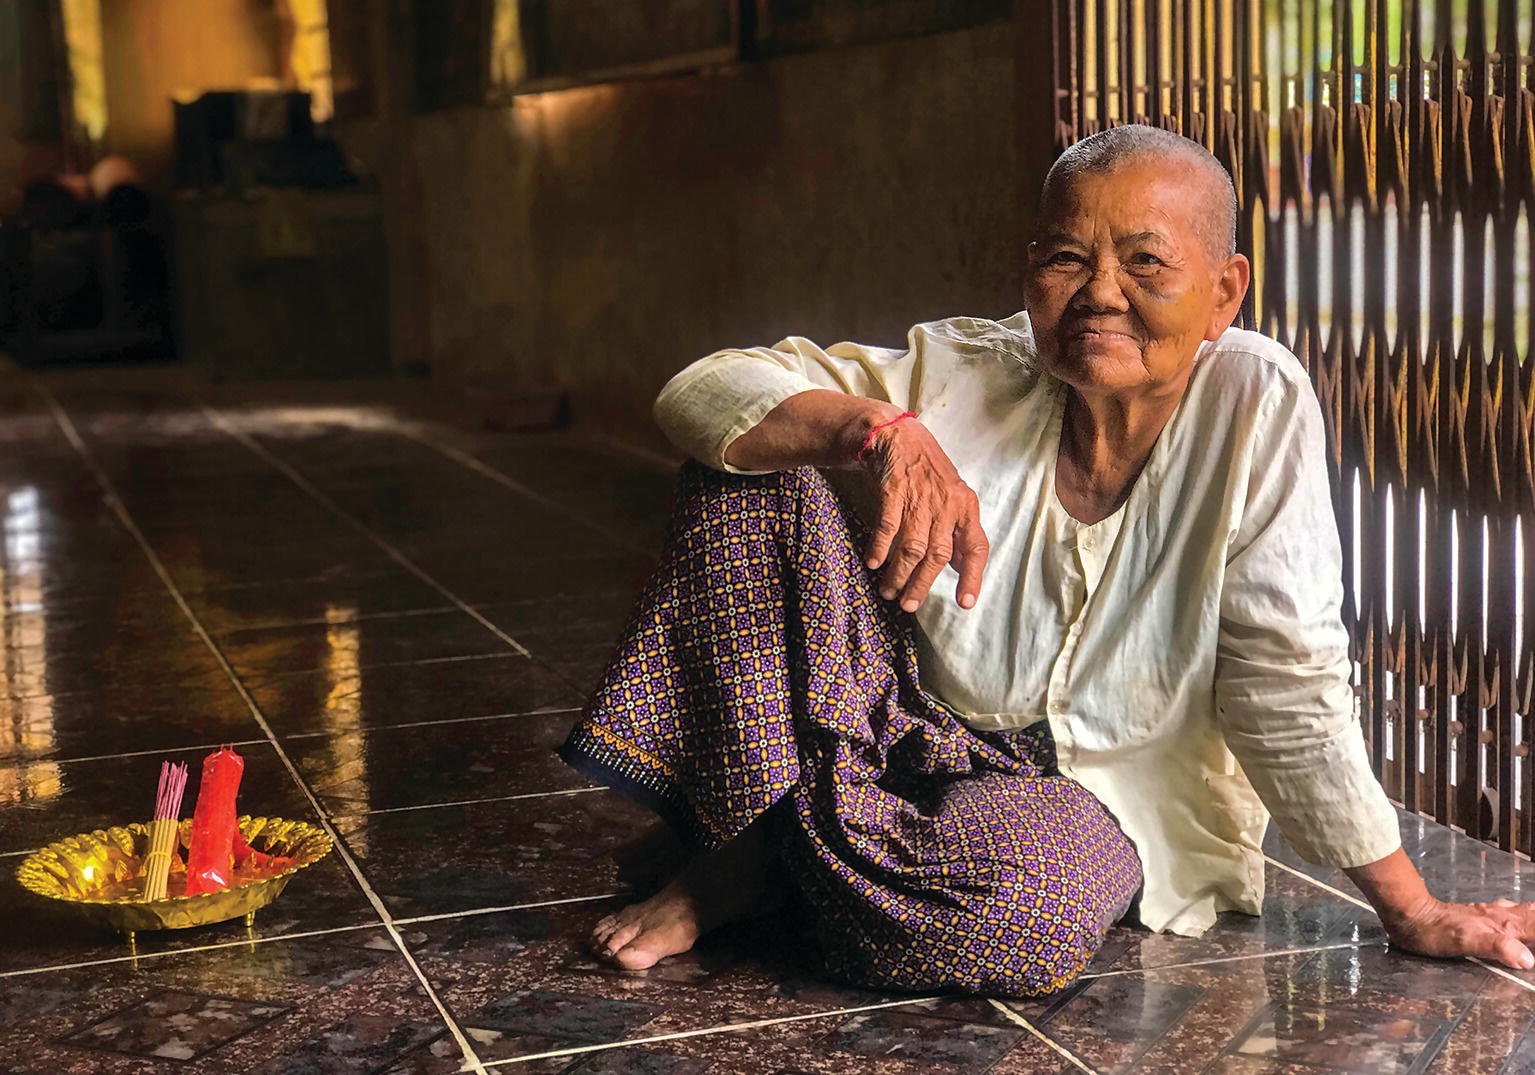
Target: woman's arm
{"type": "Point", "coordinates": [1287, 708]}
{"type": "Point", "coordinates": [817, 428]}
{"type": "Point", "coordinates": [713, 402]}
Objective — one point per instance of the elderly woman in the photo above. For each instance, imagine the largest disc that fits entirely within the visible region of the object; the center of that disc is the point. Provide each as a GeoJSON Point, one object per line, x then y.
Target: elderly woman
{"type": "Point", "coordinates": [1142, 660]}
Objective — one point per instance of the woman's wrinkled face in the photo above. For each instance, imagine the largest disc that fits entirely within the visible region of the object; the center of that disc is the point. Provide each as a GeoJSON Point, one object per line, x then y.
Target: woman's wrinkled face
{"type": "Point", "coordinates": [1119, 287]}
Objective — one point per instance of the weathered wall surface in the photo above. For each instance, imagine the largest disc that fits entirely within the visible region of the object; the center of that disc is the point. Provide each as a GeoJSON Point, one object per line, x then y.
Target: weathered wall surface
{"type": "Point", "coordinates": [602, 238]}
{"type": "Point", "coordinates": [31, 143]}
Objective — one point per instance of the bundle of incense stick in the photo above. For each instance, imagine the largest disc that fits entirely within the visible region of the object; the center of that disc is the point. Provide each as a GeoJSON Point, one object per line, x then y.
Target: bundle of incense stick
{"type": "Point", "coordinates": [162, 830]}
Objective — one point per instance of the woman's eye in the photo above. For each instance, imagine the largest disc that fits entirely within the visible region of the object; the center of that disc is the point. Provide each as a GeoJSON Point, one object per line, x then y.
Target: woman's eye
{"type": "Point", "coordinates": [1065, 255]}
{"type": "Point", "coordinates": [1144, 258]}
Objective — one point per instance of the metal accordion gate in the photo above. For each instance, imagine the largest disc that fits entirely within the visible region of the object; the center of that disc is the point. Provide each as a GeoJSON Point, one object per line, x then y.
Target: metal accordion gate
{"type": "Point", "coordinates": [1384, 155]}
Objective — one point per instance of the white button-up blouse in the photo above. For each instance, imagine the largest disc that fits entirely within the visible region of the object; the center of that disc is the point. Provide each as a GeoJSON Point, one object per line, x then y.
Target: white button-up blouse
{"type": "Point", "coordinates": [1188, 650]}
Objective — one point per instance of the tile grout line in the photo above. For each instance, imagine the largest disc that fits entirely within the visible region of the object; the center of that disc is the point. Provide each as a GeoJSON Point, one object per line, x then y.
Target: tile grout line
{"type": "Point", "coordinates": [263, 679]}
{"type": "Point", "coordinates": [705, 1031]}
{"type": "Point", "coordinates": [369, 617]}
{"type": "Point", "coordinates": [490, 473]}
{"type": "Point", "coordinates": [316, 621]}
{"type": "Point", "coordinates": [553, 711]}
{"type": "Point", "coordinates": [241, 943]}
{"type": "Point", "coordinates": [342, 850]}
{"type": "Point", "coordinates": [1014, 1017]}
{"type": "Point", "coordinates": [1323, 885]}
{"type": "Point", "coordinates": [662, 463]}
{"type": "Point", "coordinates": [1501, 972]}
{"type": "Point", "coordinates": [325, 501]}
{"type": "Point", "coordinates": [303, 934]}
{"type": "Point", "coordinates": [1304, 950]}
{"type": "Point", "coordinates": [452, 658]}
{"type": "Point", "coordinates": [469, 802]}
{"type": "Point", "coordinates": [21, 763]}
{"type": "Point", "coordinates": [349, 814]}
{"type": "Point", "coordinates": [476, 912]}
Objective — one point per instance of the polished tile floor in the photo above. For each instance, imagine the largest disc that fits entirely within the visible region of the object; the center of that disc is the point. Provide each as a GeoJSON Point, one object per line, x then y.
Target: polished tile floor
{"type": "Point", "coordinates": [395, 619]}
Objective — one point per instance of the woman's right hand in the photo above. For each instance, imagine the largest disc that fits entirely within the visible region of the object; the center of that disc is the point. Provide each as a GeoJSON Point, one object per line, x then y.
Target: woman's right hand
{"type": "Point", "coordinates": [928, 517]}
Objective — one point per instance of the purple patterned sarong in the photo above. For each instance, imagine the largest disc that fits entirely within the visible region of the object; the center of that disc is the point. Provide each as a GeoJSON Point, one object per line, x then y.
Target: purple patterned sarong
{"type": "Point", "coordinates": [760, 664]}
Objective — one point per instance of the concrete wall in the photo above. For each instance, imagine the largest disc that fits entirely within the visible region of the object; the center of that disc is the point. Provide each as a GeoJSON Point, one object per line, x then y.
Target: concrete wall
{"type": "Point", "coordinates": [601, 238]}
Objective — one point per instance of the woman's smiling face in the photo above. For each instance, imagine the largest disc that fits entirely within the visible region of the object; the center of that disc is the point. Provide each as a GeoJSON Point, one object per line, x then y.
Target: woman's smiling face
{"type": "Point", "coordinates": [1120, 288]}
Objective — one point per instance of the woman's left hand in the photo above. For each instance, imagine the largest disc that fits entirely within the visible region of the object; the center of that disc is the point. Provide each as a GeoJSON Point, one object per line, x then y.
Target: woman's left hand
{"type": "Point", "coordinates": [1499, 931]}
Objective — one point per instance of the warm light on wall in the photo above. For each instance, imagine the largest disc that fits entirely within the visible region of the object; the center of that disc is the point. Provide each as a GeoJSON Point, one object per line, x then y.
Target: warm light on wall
{"type": "Point", "coordinates": [559, 108]}
{"type": "Point", "coordinates": [309, 54]}
{"type": "Point", "coordinates": [82, 36]}
{"type": "Point", "coordinates": [508, 61]}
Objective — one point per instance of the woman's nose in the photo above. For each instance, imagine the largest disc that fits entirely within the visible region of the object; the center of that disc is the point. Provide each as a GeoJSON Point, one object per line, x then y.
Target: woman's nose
{"type": "Point", "coordinates": [1101, 291]}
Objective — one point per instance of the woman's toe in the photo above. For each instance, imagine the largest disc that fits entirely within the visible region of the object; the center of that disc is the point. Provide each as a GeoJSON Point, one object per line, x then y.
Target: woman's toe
{"type": "Point", "coordinates": [637, 956]}
{"type": "Point", "coordinates": [621, 936]}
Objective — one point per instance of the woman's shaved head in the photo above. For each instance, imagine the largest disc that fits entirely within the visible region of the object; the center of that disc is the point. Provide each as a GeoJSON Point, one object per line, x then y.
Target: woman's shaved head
{"type": "Point", "coordinates": [1213, 197]}
{"type": "Point", "coordinates": [1132, 265]}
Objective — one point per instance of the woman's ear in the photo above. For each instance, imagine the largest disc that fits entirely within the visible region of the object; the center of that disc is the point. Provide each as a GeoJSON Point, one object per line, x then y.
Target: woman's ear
{"type": "Point", "coordinates": [1231, 283]}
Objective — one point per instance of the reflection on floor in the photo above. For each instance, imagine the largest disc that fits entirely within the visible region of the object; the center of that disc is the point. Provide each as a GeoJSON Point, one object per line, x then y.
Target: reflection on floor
{"type": "Point", "coordinates": [404, 616]}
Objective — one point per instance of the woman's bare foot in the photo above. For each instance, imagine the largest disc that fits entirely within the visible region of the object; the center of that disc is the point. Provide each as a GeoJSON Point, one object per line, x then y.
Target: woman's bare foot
{"type": "Point", "coordinates": [730, 883]}
{"type": "Point", "coordinates": [644, 933]}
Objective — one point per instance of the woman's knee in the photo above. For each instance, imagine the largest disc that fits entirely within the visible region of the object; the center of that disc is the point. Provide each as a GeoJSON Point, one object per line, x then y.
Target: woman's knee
{"type": "Point", "coordinates": [764, 503]}
{"type": "Point", "coordinates": [1063, 916]}
{"type": "Point", "coordinates": [1058, 938]}
{"type": "Point", "coordinates": [788, 482]}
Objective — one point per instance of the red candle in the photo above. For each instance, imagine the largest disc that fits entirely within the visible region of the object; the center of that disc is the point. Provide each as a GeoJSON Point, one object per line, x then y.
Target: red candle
{"type": "Point", "coordinates": [210, 857]}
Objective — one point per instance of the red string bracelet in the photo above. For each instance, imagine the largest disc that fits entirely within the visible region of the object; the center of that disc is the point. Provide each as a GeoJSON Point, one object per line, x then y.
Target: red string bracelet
{"type": "Point", "coordinates": [869, 441]}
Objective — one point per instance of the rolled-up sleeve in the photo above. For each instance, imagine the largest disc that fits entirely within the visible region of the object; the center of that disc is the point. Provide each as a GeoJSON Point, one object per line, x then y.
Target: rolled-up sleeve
{"type": "Point", "coordinates": [708, 404]}
{"type": "Point", "coordinates": [1283, 691]}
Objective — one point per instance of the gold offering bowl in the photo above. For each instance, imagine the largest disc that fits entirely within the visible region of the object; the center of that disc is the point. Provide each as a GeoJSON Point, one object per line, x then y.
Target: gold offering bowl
{"type": "Point", "coordinates": [100, 874]}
